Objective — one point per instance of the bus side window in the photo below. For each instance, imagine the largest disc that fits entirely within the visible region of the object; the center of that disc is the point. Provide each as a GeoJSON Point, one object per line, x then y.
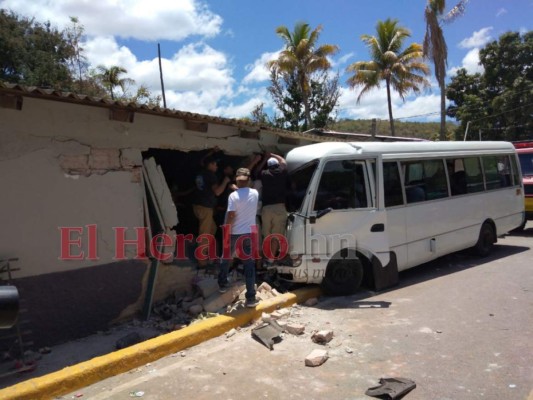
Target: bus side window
{"type": "Point", "coordinates": [474, 176]}
{"type": "Point", "coordinates": [457, 176]}
{"type": "Point", "coordinates": [414, 182]}
{"type": "Point", "coordinates": [497, 171]}
{"type": "Point", "coordinates": [435, 179]}
{"type": "Point", "coordinates": [516, 175]}
{"type": "Point", "coordinates": [393, 184]}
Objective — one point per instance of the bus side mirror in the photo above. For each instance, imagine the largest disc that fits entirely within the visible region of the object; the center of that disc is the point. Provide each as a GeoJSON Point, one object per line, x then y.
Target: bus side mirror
{"type": "Point", "coordinates": [9, 306]}
{"type": "Point", "coordinates": [323, 212]}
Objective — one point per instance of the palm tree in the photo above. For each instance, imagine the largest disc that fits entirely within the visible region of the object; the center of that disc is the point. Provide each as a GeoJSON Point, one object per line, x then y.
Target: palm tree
{"type": "Point", "coordinates": [435, 47]}
{"type": "Point", "coordinates": [110, 78]}
{"type": "Point", "coordinates": [301, 58]}
{"type": "Point", "coordinates": [402, 70]}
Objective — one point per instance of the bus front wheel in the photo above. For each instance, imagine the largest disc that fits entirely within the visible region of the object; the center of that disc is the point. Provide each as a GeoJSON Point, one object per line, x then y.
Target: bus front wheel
{"type": "Point", "coordinates": [343, 277]}
{"type": "Point", "coordinates": [486, 240]}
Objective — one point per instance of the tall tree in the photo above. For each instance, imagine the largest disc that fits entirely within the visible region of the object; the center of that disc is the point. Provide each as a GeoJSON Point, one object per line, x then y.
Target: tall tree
{"type": "Point", "coordinates": [323, 99]}
{"type": "Point", "coordinates": [401, 69]}
{"type": "Point", "coordinates": [301, 58]}
{"type": "Point", "coordinates": [33, 53]}
{"type": "Point", "coordinates": [111, 79]}
{"type": "Point", "coordinates": [498, 103]}
{"type": "Point", "coordinates": [78, 62]}
{"type": "Point", "coordinates": [435, 47]}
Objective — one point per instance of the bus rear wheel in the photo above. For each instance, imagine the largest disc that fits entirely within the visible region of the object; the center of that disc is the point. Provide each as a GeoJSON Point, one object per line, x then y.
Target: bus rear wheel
{"type": "Point", "coordinates": [486, 240]}
{"type": "Point", "coordinates": [343, 277]}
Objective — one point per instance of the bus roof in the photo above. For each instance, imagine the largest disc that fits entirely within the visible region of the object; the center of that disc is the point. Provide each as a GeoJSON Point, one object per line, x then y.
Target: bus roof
{"type": "Point", "coordinates": [302, 155]}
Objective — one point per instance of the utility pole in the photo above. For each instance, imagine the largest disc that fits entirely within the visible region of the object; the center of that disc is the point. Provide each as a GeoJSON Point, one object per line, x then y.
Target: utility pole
{"type": "Point", "coordinates": [161, 76]}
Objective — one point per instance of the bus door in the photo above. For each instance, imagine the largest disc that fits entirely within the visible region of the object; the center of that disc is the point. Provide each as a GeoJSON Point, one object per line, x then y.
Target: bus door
{"type": "Point", "coordinates": [345, 212]}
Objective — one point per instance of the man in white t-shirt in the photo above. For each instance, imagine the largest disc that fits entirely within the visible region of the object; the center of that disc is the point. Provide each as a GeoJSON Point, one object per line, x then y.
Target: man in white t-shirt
{"type": "Point", "coordinates": [242, 209]}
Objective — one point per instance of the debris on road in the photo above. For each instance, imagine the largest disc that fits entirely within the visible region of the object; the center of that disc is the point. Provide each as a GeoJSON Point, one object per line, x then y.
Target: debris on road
{"type": "Point", "coordinates": [129, 340]}
{"type": "Point", "coordinates": [313, 301]}
{"type": "Point", "coordinates": [268, 333]}
{"type": "Point", "coordinates": [322, 337]}
{"type": "Point", "coordinates": [316, 358]}
{"type": "Point", "coordinates": [295, 329]}
{"type": "Point", "coordinates": [391, 388]}
{"type": "Point", "coordinates": [349, 350]}
{"type": "Point", "coordinates": [137, 394]}
{"type": "Point", "coordinates": [231, 333]}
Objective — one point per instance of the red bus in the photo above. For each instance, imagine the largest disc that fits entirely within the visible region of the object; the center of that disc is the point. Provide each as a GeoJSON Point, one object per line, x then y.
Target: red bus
{"type": "Point", "coordinates": [525, 154]}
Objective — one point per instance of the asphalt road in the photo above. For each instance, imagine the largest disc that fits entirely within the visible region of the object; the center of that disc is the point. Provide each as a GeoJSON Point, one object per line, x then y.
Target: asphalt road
{"type": "Point", "coordinates": [460, 327]}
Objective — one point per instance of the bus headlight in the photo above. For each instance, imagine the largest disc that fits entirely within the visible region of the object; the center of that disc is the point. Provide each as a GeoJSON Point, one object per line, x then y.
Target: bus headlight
{"type": "Point", "coordinates": [296, 259]}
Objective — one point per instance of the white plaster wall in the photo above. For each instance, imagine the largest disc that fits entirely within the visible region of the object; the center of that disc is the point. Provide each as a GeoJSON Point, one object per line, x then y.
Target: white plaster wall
{"type": "Point", "coordinates": [89, 125]}
{"type": "Point", "coordinates": [38, 197]}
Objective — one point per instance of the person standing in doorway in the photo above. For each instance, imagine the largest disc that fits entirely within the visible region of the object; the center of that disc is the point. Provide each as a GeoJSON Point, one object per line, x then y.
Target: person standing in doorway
{"type": "Point", "coordinates": [205, 200]}
{"type": "Point", "coordinates": [274, 212]}
{"type": "Point", "coordinates": [240, 223]}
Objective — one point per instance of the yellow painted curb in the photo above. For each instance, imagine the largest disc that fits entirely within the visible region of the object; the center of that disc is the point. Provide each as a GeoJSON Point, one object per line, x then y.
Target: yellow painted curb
{"type": "Point", "coordinates": [86, 373]}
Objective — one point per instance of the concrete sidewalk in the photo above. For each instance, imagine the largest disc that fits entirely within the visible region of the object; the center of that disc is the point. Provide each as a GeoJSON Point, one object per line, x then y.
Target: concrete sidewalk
{"type": "Point", "coordinates": [99, 368]}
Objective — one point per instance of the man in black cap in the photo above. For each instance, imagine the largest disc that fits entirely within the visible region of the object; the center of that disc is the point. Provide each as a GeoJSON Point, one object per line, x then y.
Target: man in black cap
{"type": "Point", "coordinates": [274, 212]}
{"type": "Point", "coordinates": [205, 200]}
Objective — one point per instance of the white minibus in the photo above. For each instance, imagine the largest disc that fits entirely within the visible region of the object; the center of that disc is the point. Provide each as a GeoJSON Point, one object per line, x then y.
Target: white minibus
{"type": "Point", "coordinates": [361, 212]}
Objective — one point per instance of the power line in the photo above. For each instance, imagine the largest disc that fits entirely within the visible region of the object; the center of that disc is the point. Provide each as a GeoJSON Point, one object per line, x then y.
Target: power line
{"type": "Point", "coordinates": [504, 112]}
{"type": "Point", "coordinates": [419, 115]}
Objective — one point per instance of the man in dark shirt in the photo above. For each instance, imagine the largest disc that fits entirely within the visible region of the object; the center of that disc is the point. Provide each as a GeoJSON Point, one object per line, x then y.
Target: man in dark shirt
{"type": "Point", "coordinates": [205, 200]}
{"type": "Point", "coordinates": [274, 212]}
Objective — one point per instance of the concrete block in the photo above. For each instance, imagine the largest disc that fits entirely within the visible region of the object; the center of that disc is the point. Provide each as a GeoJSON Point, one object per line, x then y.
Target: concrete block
{"type": "Point", "coordinates": [185, 305]}
{"type": "Point", "coordinates": [283, 312]}
{"type": "Point", "coordinates": [195, 309]}
{"type": "Point", "coordinates": [295, 329]}
{"type": "Point", "coordinates": [74, 162]}
{"type": "Point", "coordinates": [104, 159]}
{"type": "Point", "coordinates": [264, 287]}
{"type": "Point", "coordinates": [316, 357]}
{"type": "Point", "coordinates": [207, 287]}
{"type": "Point", "coordinates": [322, 337]}
{"type": "Point", "coordinates": [219, 300]}
{"type": "Point", "coordinates": [266, 317]}
{"type": "Point", "coordinates": [130, 158]}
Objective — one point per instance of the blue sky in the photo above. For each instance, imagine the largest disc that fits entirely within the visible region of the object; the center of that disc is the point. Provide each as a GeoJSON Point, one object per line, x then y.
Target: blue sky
{"type": "Point", "coordinates": [214, 51]}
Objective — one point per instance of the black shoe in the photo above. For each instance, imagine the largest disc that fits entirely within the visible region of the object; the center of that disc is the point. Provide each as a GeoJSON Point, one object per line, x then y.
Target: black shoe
{"type": "Point", "coordinates": [251, 303]}
{"type": "Point", "coordinates": [223, 288]}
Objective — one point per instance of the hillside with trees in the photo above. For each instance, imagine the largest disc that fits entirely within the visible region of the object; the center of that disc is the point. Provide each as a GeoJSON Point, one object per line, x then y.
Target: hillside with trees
{"type": "Point", "coordinates": [422, 130]}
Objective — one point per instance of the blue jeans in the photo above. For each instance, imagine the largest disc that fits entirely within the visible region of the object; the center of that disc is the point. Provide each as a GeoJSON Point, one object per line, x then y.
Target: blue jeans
{"type": "Point", "coordinates": [249, 265]}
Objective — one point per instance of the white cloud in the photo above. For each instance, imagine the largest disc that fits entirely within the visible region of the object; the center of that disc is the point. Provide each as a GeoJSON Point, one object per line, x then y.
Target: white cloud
{"type": "Point", "coordinates": [374, 105]}
{"type": "Point", "coordinates": [342, 60]}
{"type": "Point", "coordinates": [196, 78]}
{"type": "Point", "coordinates": [139, 19]}
{"type": "Point", "coordinates": [501, 12]}
{"type": "Point", "coordinates": [258, 71]}
{"type": "Point", "coordinates": [470, 63]}
{"type": "Point", "coordinates": [478, 39]}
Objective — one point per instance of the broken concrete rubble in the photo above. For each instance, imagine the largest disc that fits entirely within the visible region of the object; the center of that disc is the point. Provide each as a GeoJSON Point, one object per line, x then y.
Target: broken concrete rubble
{"type": "Point", "coordinates": [217, 301]}
{"type": "Point", "coordinates": [295, 329]}
{"type": "Point", "coordinates": [322, 337]}
{"type": "Point", "coordinates": [206, 287]}
{"type": "Point", "coordinates": [311, 302]}
{"type": "Point", "coordinates": [196, 309]}
{"type": "Point", "coordinates": [316, 357]}
{"type": "Point", "coordinates": [268, 333]}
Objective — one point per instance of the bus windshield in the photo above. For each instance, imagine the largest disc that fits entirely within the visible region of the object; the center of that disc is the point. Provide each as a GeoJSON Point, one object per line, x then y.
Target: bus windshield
{"type": "Point", "coordinates": [526, 163]}
{"type": "Point", "coordinates": [299, 182]}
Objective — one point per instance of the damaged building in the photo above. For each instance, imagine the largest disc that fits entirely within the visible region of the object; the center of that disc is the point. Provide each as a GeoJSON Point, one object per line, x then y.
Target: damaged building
{"type": "Point", "coordinates": [74, 169]}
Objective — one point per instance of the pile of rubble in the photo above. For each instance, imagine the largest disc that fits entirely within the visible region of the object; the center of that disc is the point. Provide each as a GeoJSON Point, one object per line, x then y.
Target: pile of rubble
{"type": "Point", "coordinates": [205, 301]}
{"type": "Point", "coordinates": [270, 328]}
